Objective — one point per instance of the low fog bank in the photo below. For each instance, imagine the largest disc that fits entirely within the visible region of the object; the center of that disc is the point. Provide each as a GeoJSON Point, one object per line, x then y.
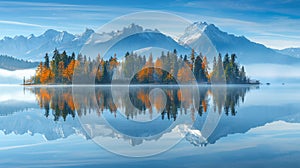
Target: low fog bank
{"type": "Point", "coordinates": [274, 73]}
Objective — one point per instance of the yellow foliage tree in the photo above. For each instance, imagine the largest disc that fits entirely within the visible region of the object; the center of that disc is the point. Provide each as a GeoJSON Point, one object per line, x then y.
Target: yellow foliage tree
{"type": "Point", "coordinates": [183, 75]}
{"type": "Point", "coordinates": [69, 71]}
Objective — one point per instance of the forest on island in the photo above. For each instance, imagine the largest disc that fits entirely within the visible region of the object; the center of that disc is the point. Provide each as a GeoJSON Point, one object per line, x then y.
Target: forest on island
{"type": "Point", "coordinates": [168, 68]}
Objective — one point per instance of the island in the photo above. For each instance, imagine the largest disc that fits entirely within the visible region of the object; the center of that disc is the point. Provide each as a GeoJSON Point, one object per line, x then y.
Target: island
{"type": "Point", "coordinates": [168, 68]}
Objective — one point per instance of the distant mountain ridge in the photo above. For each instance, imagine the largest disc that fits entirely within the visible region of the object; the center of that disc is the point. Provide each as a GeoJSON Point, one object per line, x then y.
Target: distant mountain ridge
{"type": "Point", "coordinates": [248, 52]}
{"type": "Point", "coordinates": [130, 39]}
{"type": "Point", "coordinates": [11, 63]}
{"type": "Point", "coordinates": [200, 36]}
{"type": "Point", "coordinates": [295, 52]}
{"type": "Point", "coordinates": [35, 47]}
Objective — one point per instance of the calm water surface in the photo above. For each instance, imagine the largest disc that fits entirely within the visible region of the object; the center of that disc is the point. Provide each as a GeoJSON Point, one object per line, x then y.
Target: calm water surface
{"type": "Point", "coordinates": [103, 126]}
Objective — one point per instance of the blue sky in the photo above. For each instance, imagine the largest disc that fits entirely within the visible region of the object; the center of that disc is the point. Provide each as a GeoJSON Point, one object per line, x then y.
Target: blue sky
{"type": "Point", "coordinates": [273, 23]}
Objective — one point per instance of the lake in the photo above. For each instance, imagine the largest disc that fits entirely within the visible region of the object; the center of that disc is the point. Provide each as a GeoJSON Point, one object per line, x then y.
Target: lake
{"type": "Point", "coordinates": [150, 126]}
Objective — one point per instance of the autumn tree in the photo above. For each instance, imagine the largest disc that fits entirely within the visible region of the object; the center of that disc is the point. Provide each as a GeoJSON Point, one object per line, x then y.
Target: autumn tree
{"type": "Point", "coordinates": [158, 70]}
{"type": "Point", "coordinates": [205, 69]}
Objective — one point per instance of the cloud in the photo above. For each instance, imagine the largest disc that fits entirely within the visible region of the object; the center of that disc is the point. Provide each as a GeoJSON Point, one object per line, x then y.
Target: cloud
{"type": "Point", "coordinates": [19, 146]}
{"type": "Point", "coordinates": [276, 20]}
{"type": "Point", "coordinates": [275, 7]}
{"type": "Point", "coordinates": [19, 23]}
{"type": "Point", "coordinates": [42, 6]}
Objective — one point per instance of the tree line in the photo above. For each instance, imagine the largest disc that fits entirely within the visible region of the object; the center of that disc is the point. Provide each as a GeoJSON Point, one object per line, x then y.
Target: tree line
{"type": "Point", "coordinates": [11, 63]}
{"type": "Point", "coordinates": [168, 68]}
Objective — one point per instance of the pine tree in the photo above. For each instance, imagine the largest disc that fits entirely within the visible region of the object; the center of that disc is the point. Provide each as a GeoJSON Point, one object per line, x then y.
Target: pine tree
{"type": "Point", "coordinates": [243, 77]}
{"type": "Point", "coordinates": [64, 58]}
{"type": "Point", "coordinates": [193, 59]}
{"type": "Point", "coordinates": [220, 72]}
{"type": "Point", "coordinates": [198, 71]}
{"type": "Point", "coordinates": [55, 62]}
{"type": "Point", "coordinates": [47, 63]}
{"type": "Point", "coordinates": [59, 77]}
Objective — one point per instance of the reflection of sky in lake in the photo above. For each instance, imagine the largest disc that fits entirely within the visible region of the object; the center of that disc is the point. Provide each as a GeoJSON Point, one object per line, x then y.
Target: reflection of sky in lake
{"type": "Point", "coordinates": [264, 132]}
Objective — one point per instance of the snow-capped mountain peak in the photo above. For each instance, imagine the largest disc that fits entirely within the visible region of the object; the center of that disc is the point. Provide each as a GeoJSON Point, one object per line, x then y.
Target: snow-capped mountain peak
{"type": "Point", "coordinates": [202, 37]}
{"type": "Point", "coordinates": [86, 33]}
{"type": "Point", "coordinates": [50, 33]}
{"type": "Point", "coordinates": [294, 52]}
{"type": "Point", "coordinates": [103, 37]}
{"type": "Point", "coordinates": [193, 32]}
{"type": "Point", "coordinates": [132, 28]}
{"type": "Point", "coordinates": [30, 36]}
{"type": "Point", "coordinates": [34, 47]}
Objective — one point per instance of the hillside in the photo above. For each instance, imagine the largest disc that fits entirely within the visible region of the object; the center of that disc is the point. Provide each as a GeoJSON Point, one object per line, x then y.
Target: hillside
{"type": "Point", "coordinates": [295, 52]}
{"type": "Point", "coordinates": [11, 63]}
{"type": "Point", "coordinates": [248, 52]}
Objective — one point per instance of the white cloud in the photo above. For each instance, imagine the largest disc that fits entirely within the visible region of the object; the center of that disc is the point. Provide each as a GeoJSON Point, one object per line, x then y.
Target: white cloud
{"type": "Point", "coordinates": [19, 23]}
{"type": "Point", "coordinates": [18, 146]}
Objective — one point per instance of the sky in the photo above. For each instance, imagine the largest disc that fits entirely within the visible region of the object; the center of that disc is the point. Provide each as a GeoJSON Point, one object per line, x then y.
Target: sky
{"type": "Point", "coordinates": [275, 23]}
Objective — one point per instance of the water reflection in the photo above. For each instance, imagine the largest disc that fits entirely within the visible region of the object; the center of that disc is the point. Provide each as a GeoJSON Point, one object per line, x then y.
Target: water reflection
{"type": "Point", "coordinates": [59, 101]}
{"type": "Point", "coordinates": [252, 121]}
{"type": "Point", "coordinates": [152, 114]}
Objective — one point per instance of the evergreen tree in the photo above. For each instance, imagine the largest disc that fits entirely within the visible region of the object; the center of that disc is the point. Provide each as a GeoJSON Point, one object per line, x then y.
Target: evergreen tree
{"type": "Point", "coordinates": [243, 78]}
{"type": "Point", "coordinates": [220, 70]}
{"type": "Point", "coordinates": [80, 58]}
{"type": "Point", "coordinates": [64, 58]}
{"type": "Point", "coordinates": [47, 63]}
{"type": "Point", "coordinates": [73, 56]}
{"type": "Point", "coordinates": [198, 71]}
{"type": "Point", "coordinates": [55, 60]}
{"type": "Point", "coordinates": [193, 59]}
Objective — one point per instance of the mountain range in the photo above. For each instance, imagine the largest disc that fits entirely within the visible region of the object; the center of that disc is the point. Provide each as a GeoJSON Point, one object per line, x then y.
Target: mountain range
{"type": "Point", "coordinates": [295, 52]}
{"type": "Point", "coordinates": [200, 36]}
{"type": "Point", "coordinates": [34, 47]}
{"type": "Point", "coordinates": [248, 52]}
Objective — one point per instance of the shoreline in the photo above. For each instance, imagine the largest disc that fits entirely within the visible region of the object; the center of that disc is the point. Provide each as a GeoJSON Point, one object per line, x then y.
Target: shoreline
{"type": "Point", "coordinates": [140, 85]}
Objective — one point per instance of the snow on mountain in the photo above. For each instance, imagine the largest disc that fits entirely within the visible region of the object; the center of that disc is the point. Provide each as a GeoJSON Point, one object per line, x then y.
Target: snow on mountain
{"type": "Point", "coordinates": [34, 122]}
{"type": "Point", "coordinates": [19, 117]}
{"type": "Point", "coordinates": [294, 52]}
{"type": "Point", "coordinates": [202, 36]}
{"type": "Point", "coordinates": [103, 37]}
{"type": "Point", "coordinates": [129, 39]}
{"type": "Point", "coordinates": [35, 47]}
{"type": "Point", "coordinates": [192, 135]}
{"type": "Point", "coordinates": [193, 32]}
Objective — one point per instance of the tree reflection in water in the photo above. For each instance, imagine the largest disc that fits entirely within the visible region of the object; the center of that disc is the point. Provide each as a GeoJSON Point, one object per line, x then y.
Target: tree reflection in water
{"type": "Point", "coordinates": [60, 102]}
